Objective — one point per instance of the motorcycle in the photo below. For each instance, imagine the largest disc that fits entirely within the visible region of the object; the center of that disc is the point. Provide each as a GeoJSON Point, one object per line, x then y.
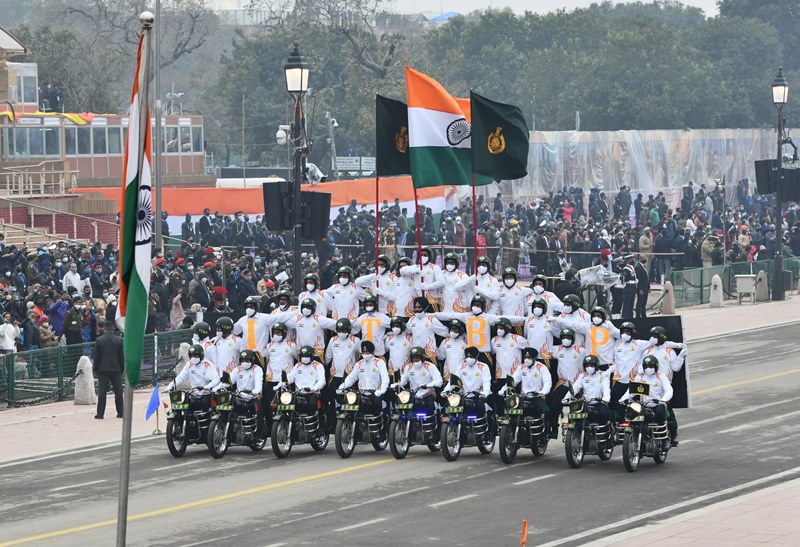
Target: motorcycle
{"type": "Point", "coordinates": [233, 424]}
{"type": "Point", "coordinates": [411, 424]}
{"type": "Point", "coordinates": [461, 426]}
{"type": "Point", "coordinates": [520, 427]}
{"type": "Point", "coordinates": [643, 436]}
{"type": "Point", "coordinates": [581, 435]}
{"type": "Point", "coordinates": [358, 422]}
{"type": "Point", "coordinates": [187, 422]}
{"type": "Point", "coordinates": [295, 422]}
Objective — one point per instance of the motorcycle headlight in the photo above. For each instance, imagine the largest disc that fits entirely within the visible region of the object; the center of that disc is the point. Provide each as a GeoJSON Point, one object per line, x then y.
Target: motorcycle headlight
{"type": "Point", "coordinates": [286, 398]}
{"type": "Point", "coordinates": [635, 408]}
{"type": "Point", "coordinates": [177, 397]}
{"type": "Point", "coordinates": [351, 397]}
{"type": "Point", "coordinates": [512, 401]}
{"type": "Point", "coordinates": [223, 397]}
{"type": "Point", "coordinates": [453, 399]}
{"type": "Point", "coordinates": [403, 397]}
{"type": "Point", "coordinates": [576, 406]}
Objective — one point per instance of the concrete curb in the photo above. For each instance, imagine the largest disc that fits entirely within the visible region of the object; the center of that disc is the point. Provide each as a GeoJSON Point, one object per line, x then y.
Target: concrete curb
{"type": "Point", "coordinates": [742, 331]}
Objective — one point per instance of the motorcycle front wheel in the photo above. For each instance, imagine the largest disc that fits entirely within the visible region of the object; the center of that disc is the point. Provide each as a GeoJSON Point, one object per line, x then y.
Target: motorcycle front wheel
{"type": "Point", "coordinates": [320, 443]}
{"type": "Point", "coordinates": [508, 447]}
{"type": "Point", "coordinates": [398, 440]}
{"type": "Point", "coordinates": [281, 439]}
{"type": "Point", "coordinates": [451, 443]}
{"type": "Point", "coordinates": [345, 439]}
{"type": "Point", "coordinates": [176, 441]}
{"type": "Point", "coordinates": [631, 451]}
{"type": "Point", "coordinates": [574, 448]}
{"type": "Point", "coordinates": [661, 456]}
{"type": "Point", "coordinates": [217, 441]}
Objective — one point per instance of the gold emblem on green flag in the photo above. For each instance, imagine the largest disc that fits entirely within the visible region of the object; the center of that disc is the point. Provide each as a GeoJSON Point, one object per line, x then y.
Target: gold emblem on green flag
{"type": "Point", "coordinates": [496, 141]}
{"type": "Point", "coordinates": [401, 140]}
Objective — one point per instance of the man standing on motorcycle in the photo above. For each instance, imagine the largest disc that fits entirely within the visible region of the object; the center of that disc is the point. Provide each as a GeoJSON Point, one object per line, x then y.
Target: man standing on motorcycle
{"type": "Point", "coordinates": [427, 278]}
{"type": "Point", "coordinates": [310, 327]}
{"type": "Point", "coordinates": [421, 375]}
{"type": "Point", "coordinates": [570, 357]}
{"type": "Point", "coordinates": [486, 286]}
{"type": "Point", "coordinates": [372, 325]}
{"type": "Point", "coordinates": [254, 328]}
{"type": "Point", "coordinates": [534, 381]}
{"type": "Point", "coordinates": [628, 353]}
{"type": "Point", "coordinates": [380, 285]}
{"type": "Point", "coordinates": [660, 390]}
{"type": "Point", "coordinates": [369, 373]}
{"type": "Point", "coordinates": [342, 298]}
{"type": "Point", "coordinates": [554, 304]}
{"type": "Point", "coordinates": [201, 335]}
{"type": "Point", "coordinates": [201, 373]}
{"type": "Point", "coordinates": [457, 289]}
{"type": "Point", "coordinates": [451, 349]}
{"type": "Point", "coordinates": [282, 356]}
{"type": "Point", "coordinates": [247, 380]}
{"type": "Point", "coordinates": [538, 330]}
{"type": "Point", "coordinates": [424, 327]}
{"type": "Point", "coordinates": [314, 293]}
{"type": "Point", "coordinates": [340, 355]}
{"type": "Point", "coordinates": [513, 296]}
{"type": "Point", "coordinates": [600, 334]}
{"type": "Point", "coordinates": [475, 378]}
{"type": "Point", "coordinates": [227, 345]}
{"type": "Point", "coordinates": [573, 314]}
{"type": "Point", "coordinates": [398, 346]}
{"type": "Point", "coordinates": [669, 361]}
{"type": "Point", "coordinates": [507, 349]}
{"type": "Point", "coordinates": [593, 384]}
{"type": "Point", "coordinates": [307, 375]}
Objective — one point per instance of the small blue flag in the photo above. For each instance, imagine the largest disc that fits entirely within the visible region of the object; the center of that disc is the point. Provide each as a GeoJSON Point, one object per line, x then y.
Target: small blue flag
{"type": "Point", "coordinates": [152, 406]}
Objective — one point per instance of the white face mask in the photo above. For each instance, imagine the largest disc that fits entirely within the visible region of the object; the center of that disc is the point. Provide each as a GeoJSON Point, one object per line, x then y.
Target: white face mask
{"type": "Point", "coordinates": [597, 320]}
{"type": "Point", "coordinates": [344, 280]}
{"type": "Point", "coordinates": [653, 340]}
{"type": "Point", "coordinates": [195, 360]}
{"type": "Point", "coordinates": [509, 282]}
{"type": "Point", "coordinates": [450, 267]}
{"type": "Point", "coordinates": [369, 309]}
{"type": "Point", "coordinates": [477, 310]}
{"type": "Point", "coordinates": [250, 312]}
{"type": "Point", "coordinates": [305, 360]}
{"type": "Point", "coordinates": [307, 312]}
{"type": "Point", "coordinates": [501, 332]}
{"type": "Point", "coordinates": [219, 334]}
{"type": "Point", "coordinates": [277, 337]}
{"type": "Point", "coordinates": [246, 365]}
{"type": "Point", "coordinates": [528, 362]}
{"type": "Point", "coordinates": [482, 270]}
{"type": "Point", "coordinates": [417, 364]}
{"type": "Point", "coordinates": [538, 311]}
{"type": "Point", "coordinates": [310, 287]}
{"type": "Point", "coordinates": [425, 259]}
{"type": "Point", "coordinates": [452, 334]}
{"type": "Point", "coordinates": [470, 361]}
{"type": "Point", "coordinates": [626, 337]}
{"type": "Point", "coordinates": [590, 370]}
{"type": "Point", "coordinates": [381, 270]}
{"type": "Point", "coordinates": [396, 330]}
{"type": "Point", "coordinates": [649, 371]}
{"type": "Point", "coordinates": [566, 342]}
{"type": "Point", "coordinates": [366, 356]}
{"type": "Point", "coordinates": [341, 335]}
{"type": "Point", "coordinates": [538, 289]}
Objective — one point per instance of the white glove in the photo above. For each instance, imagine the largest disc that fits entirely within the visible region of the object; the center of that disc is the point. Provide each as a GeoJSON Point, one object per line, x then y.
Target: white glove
{"type": "Point", "coordinates": [280, 385]}
{"type": "Point", "coordinates": [170, 387]}
{"type": "Point", "coordinates": [565, 402]}
{"type": "Point", "coordinates": [217, 388]}
{"type": "Point", "coordinates": [207, 387]}
{"type": "Point", "coordinates": [340, 391]}
{"type": "Point", "coordinates": [393, 386]}
{"type": "Point", "coordinates": [380, 393]}
{"type": "Point", "coordinates": [503, 390]}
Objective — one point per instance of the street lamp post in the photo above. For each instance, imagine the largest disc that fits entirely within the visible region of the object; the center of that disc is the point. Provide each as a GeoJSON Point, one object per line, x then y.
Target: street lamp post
{"type": "Point", "coordinates": [780, 96]}
{"type": "Point", "coordinates": [296, 70]}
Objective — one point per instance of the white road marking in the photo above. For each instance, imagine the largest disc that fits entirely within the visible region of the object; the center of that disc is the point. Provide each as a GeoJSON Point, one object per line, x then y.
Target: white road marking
{"type": "Point", "coordinates": [71, 452]}
{"type": "Point", "coordinates": [454, 500]}
{"type": "Point", "coordinates": [691, 441]}
{"type": "Point", "coordinates": [737, 413]}
{"type": "Point", "coordinates": [207, 541]}
{"type": "Point", "coordinates": [359, 525]}
{"type": "Point", "coordinates": [276, 545]}
{"type": "Point", "coordinates": [759, 423]}
{"type": "Point", "coordinates": [534, 479]}
{"type": "Point", "coordinates": [698, 361]}
{"type": "Point", "coordinates": [173, 466]}
{"type": "Point", "coordinates": [672, 508]}
{"type": "Point", "coordinates": [76, 485]}
{"type": "Point", "coordinates": [746, 353]}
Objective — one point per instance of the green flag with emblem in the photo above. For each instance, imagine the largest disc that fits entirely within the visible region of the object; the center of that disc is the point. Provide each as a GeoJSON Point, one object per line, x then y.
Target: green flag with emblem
{"type": "Point", "coordinates": [500, 139]}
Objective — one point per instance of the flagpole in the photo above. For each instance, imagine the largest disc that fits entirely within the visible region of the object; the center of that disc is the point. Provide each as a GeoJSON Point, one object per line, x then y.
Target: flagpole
{"type": "Point", "coordinates": [377, 231]}
{"type": "Point", "coordinates": [419, 237]}
{"type": "Point", "coordinates": [474, 231]}
{"type": "Point", "coordinates": [146, 19]}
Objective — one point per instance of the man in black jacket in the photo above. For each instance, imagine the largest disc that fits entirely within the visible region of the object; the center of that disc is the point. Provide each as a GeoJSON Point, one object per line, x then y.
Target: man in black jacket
{"type": "Point", "coordinates": [642, 287]}
{"type": "Point", "coordinates": [108, 364]}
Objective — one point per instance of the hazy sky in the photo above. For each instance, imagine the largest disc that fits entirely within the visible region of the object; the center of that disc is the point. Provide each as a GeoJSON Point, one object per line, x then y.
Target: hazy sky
{"type": "Point", "coordinates": [539, 6]}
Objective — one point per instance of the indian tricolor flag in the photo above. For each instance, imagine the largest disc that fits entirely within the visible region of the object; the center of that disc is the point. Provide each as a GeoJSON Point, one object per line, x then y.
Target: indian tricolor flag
{"type": "Point", "coordinates": [136, 222]}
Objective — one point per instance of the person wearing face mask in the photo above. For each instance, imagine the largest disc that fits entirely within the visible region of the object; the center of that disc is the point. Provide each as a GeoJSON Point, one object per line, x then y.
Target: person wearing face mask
{"type": "Point", "coordinates": [311, 283]}
{"type": "Point", "coordinates": [421, 374]}
{"type": "Point", "coordinates": [600, 335]}
{"type": "Point", "coordinates": [309, 327]}
{"type": "Point", "coordinates": [572, 313]}
{"type": "Point", "coordinates": [538, 286]}
{"type": "Point", "coordinates": [486, 285]}
{"type": "Point", "coordinates": [425, 326]}
{"type": "Point", "coordinates": [283, 310]}
{"type": "Point", "coordinates": [372, 325]}
{"type": "Point", "coordinates": [341, 356]}
{"type": "Point", "coordinates": [254, 327]}
{"type": "Point", "coordinates": [199, 292]}
{"type": "Point", "coordinates": [73, 321]}
{"type": "Point", "coordinates": [475, 377]}
{"type": "Point", "coordinates": [507, 348]}
{"type": "Point", "coordinates": [227, 346]}
{"type": "Point", "coordinates": [457, 289]}
{"type": "Point", "coordinates": [398, 345]}
{"type": "Point", "coordinates": [427, 277]}
{"type": "Point", "coordinates": [660, 392]}
{"type": "Point", "coordinates": [669, 362]}
{"type": "Point", "coordinates": [343, 298]}
{"type": "Point", "coordinates": [308, 376]}
{"type": "Point", "coordinates": [512, 296]}
{"type": "Point", "coordinates": [629, 292]}
{"type": "Point", "coordinates": [404, 290]}
{"type": "Point", "coordinates": [534, 383]}
{"type": "Point", "coordinates": [593, 384]}
{"type": "Point", "coordinates": [451, 349]}
{"type": "Point", "coordinates": [538, 330]}
{"type": "Point", "coordinates": [628, 352]}
{"type": "Point", "coordinates": [281, 356]}
{"type": "Point", "coordinates": [381, 284]}
{"type": "Point", "coordinates": [570, 358]}
{"type": "Point", "coordinates": [370, 373]}
{"type": "Point", "coordinates": [201, 334]}
{"type": "Point", "coordinates": [200, 373]}
{"type": "Point", "coordinates": [247, 379]}
{"type": "Point", "coordinates": [618, 289]}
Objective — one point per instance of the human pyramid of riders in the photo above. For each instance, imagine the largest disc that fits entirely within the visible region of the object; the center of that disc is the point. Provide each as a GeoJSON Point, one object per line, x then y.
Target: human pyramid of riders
{"type": "Point", "coordinates": [407, 355]}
